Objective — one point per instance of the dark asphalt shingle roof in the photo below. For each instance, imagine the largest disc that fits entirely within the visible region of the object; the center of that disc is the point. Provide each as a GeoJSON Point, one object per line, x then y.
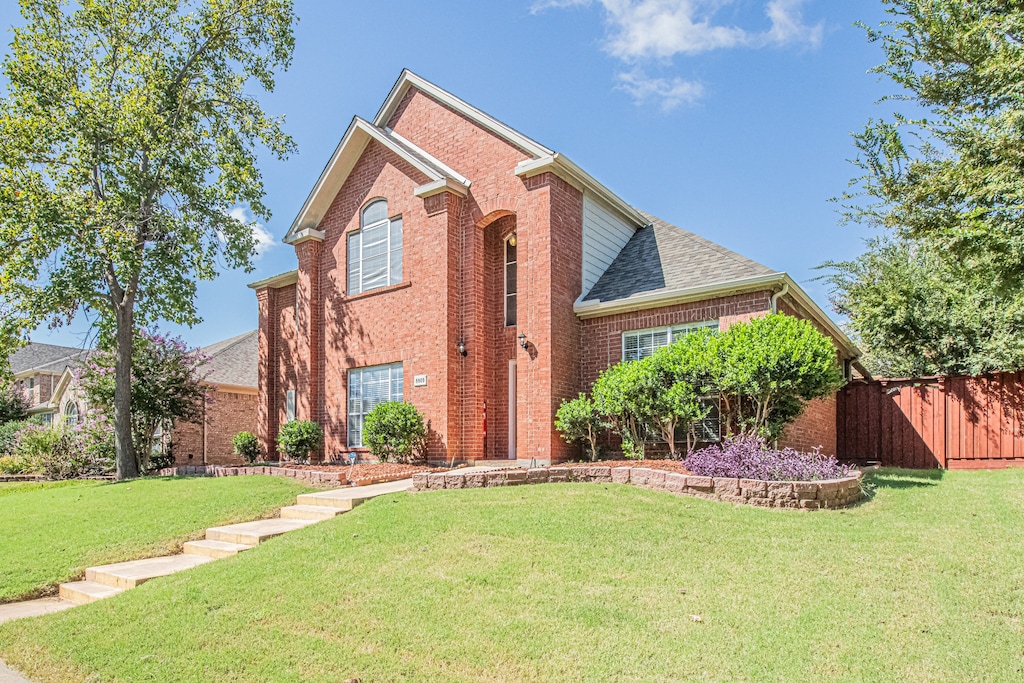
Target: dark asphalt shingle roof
{"type": "Point", "coordinates": [234, 361]}
{"type": "Point", "coordinates": [45, 358]}
{"type": "Point", "coordinates": [665, 258]}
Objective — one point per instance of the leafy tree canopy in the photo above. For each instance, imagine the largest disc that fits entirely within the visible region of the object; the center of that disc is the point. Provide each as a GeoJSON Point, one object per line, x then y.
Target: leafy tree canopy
{"type": "Point", "coordinates": [128, 133]}
{"type": "Point", "coordinates": [944, 176]}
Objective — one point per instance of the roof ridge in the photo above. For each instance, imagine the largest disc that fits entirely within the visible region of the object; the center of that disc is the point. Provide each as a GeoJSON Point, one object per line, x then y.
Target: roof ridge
{"type": "Point", "coordinates": [236, 340]}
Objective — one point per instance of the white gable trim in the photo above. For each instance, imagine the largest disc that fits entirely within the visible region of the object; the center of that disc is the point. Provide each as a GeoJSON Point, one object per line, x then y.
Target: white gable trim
{"type": "Point", "coordinates": [410, 80]}
{"type": "Point", "coordinates": [565, 169]}
{"type": "Point", "coordinates": [334, 175]}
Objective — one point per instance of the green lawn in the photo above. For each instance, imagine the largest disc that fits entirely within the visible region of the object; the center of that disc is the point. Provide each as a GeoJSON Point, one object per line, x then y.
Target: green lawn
{"type": "Point", "coordinates": [51, 532]}
{"type": "Point", "coordinates": [583, 582]}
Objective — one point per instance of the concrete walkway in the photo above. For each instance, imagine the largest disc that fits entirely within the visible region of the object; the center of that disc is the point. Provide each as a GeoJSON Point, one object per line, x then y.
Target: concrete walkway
{"type": "Point", "coordinates": [33, 608]}
{"type": "Point", "coordinates": [11, 676]}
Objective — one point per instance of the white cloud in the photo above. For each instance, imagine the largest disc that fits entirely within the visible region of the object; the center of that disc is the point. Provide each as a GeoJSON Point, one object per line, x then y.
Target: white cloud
{"type": "Point", "coordinates": [264, 240]}
{"type": "Point", "coordinates": [669, 93]}
{"type": "Point", "coordinates": [648, 32]}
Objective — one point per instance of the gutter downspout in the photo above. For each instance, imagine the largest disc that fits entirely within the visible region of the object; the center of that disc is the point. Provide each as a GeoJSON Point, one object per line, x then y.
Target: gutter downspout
{"type": "Point", "coordinates": [776, 295]}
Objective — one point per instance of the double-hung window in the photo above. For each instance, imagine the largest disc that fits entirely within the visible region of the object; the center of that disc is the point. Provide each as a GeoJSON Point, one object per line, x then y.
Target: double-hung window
{"type": "Point", "coordinates": [368, 387]}
{"type": "Point", "coordinates": [642, 343]}
{"type": "Point", "coordinates": [375, 250]}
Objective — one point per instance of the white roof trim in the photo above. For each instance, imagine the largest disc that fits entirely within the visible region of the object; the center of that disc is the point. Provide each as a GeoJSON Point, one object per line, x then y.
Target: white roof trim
{"type": "Point", "coordinates": [410, 80]}
{"type": "Point", "coordinates": [448, 170]}
{"type": "Point", "coordinates": [561, 166]}
{"type": "Point", "coordinates": [304, 236]}
{"type": "Point", "coordinates": [345, 156]}
{"type": "Point", "coordinates": [275, 281]}
{"type": "Point", "coordinates": [595, 309]}
{"type": "Point", "coordinates": [442, 185]}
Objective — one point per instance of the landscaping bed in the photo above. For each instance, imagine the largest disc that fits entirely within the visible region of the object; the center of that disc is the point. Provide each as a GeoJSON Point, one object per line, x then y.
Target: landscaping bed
{"type": "Point", "coordinates": [317, 475]}
{"type": "Point", "coordinates": [362, 474]}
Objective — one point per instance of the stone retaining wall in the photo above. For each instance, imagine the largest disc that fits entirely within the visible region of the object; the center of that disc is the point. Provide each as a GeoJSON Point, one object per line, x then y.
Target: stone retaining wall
{"type": "Point", "coordinates": [309, 476]}
{"type": "Point", "coordinates": [20, 477]}
{"type": "Point", "coordinates": [808, 495]}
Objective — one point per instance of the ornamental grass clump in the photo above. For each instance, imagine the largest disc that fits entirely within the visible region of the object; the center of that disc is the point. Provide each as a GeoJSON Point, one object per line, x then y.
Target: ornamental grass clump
{"type": "Point", "coordinates": [750, 457]}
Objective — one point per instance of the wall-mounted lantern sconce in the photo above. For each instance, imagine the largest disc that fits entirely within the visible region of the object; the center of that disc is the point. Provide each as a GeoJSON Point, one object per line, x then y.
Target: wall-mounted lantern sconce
{"type": "Point", "coordinates": [462, 348]}
{"type": "Point", "coordinates": [522, 340]}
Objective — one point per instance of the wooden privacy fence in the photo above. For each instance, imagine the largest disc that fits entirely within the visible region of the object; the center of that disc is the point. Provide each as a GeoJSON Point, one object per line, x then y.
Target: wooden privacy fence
{"type": "Point", "coordinates": [951, 422]}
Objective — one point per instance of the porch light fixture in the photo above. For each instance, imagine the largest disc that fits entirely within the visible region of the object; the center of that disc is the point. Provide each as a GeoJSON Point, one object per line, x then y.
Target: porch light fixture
{"type": "Point", "coordinates": [462, 348]}
{"type": "Point", "coordinates": [522, 340]}
{"type": "Point", "coordinates": [512, 240]}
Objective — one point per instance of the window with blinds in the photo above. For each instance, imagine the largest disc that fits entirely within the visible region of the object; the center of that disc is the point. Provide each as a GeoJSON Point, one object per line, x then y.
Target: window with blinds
{"type": "Point", "coordinates": [367, 388]}
{"type": "Point", "coordinates": [642, 343]}
{"type": "Point", "coordinates": [375, 251]}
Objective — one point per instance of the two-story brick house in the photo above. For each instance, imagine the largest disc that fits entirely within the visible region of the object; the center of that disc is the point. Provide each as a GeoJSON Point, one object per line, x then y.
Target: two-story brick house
{"type": "Point", "coordinates": [447, 260]}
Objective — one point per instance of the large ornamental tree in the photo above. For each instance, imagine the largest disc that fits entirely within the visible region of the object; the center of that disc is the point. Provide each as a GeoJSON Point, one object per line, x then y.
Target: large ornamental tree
{"type": "Point", "coordinates": [168, 386]}
{"type": "Point", "coordinates": [128, 134]}
{"type": "Point", "coordinates": [942, 290]}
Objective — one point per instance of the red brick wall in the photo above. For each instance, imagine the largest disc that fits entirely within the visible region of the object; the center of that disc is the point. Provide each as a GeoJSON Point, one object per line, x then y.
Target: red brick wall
{"type": "Point", "coordinates": [209, 442]}
{"type": "Point", "coordinates": [601, 338]}
{"type": "Point", "coordinates": [815, 427]}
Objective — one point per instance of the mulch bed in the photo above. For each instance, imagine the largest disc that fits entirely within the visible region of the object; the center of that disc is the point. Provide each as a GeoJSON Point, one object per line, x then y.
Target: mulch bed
{"type": "Point", "coordinates": [667, 465]}
{"type": "Point", "coordinates": [365, 472]}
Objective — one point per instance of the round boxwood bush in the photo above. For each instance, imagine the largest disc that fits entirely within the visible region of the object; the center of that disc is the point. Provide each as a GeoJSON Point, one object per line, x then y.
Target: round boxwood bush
{"type": "Point", "coordinates": [298, 438]}
{"type": "Point", "coordinates": [247, 445]}
{"type": "Point", "coordinates": [395, 431]}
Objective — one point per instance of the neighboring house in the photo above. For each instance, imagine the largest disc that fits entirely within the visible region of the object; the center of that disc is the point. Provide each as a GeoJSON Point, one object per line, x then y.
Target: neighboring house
{"type": "Point", "coordinates": [448, 260]}
{"type": "Point", "coordinates": [231, 376]}
{"type": "Point", "coordinates": [44, 372]}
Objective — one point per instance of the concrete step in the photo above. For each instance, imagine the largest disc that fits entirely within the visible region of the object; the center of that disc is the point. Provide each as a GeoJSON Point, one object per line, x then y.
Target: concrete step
{"type": "Point", "coordinates": [214, 549]}
{"type": "Point", "coordinates": [128, 575]}
{"type": "Point", "coordinates": [33, 608]}
{"type": "Point", "coordinates": [84, 592]}
{"type": "Point", "coordinates": [316, 512]}
{"type": "Point", "coordinates": [347, 498]}
{"type": "Point", "coordinates": [254, 533]}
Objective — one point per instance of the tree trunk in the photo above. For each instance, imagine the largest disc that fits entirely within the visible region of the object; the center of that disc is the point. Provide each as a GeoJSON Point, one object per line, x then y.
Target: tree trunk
{"type": "Point", "coordinates": [127, 465]}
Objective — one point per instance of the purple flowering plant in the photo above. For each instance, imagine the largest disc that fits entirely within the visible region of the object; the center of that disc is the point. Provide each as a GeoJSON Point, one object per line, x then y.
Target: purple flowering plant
{"type": "Point", "coordinates": [750, 457]}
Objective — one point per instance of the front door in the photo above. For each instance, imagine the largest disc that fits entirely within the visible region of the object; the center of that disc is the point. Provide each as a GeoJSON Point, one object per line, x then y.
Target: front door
{"type": "Point", "coordinates": [512, 410]}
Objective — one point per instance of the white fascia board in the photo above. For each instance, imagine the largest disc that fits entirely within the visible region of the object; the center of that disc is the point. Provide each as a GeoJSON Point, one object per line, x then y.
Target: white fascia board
{"type": "Point", "coordinates": [344, 159]}
{"type": "Point", "coordinates": [282, 280]}
{"type": "Point", "coordinates": [442, 185]}
{"type": "Point", "coordinates": [304, 236]}
{"type": "Point", "coordinates": [595, 309]}
{"type": "Point", "coordinates": [565, 169]}
{"type": "Point", "coordinates": [410, 80]}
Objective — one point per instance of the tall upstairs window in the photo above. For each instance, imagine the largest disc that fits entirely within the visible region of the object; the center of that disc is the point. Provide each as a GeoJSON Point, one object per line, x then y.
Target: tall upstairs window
{"type": "Point", "coordinates": [511, 272]}
{"type": "Point", "coordinates": [375, 250]}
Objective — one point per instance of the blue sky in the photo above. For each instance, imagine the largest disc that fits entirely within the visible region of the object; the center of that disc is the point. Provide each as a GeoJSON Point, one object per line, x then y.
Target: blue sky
{"type": "Point", "coordinates": [730, 118]}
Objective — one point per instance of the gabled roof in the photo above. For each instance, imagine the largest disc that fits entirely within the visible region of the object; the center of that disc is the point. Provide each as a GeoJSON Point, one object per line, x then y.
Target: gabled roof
{"type": "Point", "coordinates": [440, 177]}
{"type": "Point", "coordinates": [663, 258]}
{"type": "Point", "coordinates": [234, 361]}
{"type": "Point", "coordinates": [356, 138]}
{"type": "Point", "coordinates": [35, 357]}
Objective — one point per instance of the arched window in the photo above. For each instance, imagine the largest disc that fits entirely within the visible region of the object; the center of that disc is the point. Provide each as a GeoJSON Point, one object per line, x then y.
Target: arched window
{"type": "Point", "coordinates": [71, 414]}
{"type": "Point", "coordinates": [511, 275]}
{"type": "Point", "coordinates": [375, 250]}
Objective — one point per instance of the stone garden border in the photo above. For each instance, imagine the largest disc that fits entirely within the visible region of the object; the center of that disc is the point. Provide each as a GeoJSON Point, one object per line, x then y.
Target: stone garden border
{"type": "Point", "coordinates": [311, 477]}
{"type": "Point", "coordinates": [807, 495]}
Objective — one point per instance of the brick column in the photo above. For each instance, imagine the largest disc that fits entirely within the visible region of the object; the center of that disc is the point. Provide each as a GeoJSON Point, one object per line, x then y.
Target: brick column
{"type": "Point", "coordinates": [266, 415]}
{"type": "Point", "coordinates": [309, 392]}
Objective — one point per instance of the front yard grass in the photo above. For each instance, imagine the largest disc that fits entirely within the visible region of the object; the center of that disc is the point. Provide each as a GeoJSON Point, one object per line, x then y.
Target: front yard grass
{"type": "Point", "coordinates": [583, 582]}
{"type": "Point", "coordinates": [50, 532]}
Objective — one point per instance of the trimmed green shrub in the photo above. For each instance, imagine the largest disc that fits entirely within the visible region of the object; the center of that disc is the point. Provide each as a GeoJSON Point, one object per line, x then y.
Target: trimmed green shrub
{"type": "Point", "coordinates": [395, 431]}
{"type": "Point", "coordinates": [579, 421]}
{"type": "Point", "coordinates": [247, 445]}
{"type": "Point", "coordinates": [9, 436]}
{"type": "Point", "coordinates": [298, 438]}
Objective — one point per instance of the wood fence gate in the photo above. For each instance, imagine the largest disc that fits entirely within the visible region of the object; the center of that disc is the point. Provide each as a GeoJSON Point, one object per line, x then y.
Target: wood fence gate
{"type": "Point", "coordinates": [952, 422]}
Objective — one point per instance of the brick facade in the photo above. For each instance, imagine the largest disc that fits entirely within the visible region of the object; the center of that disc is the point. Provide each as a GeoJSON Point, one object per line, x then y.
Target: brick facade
{"type": "Point", "coordinates": [209, 442]}
{"type": "Point", "coordinates": [313, 332]}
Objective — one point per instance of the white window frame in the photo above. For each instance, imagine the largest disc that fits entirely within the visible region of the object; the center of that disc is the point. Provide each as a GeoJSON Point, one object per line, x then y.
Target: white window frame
{"type": "Point", "coordinates": [289, 405]}
{"type": "Point", "coordinates": [672, 335]}
{"type": "Point", "coordinates": [68, 414]}
{"type": "Point", "coordinates": [357, 414]}
{"type": "Point", "coordinates": [504, 270]}
{"type": "Point", "coordinates": [393, 248]}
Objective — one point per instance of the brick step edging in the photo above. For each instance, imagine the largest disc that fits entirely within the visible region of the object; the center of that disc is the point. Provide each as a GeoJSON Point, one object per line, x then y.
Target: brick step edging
{"type": "Point", "coordinates": [807, 495]}
{"type": "Point", "coordinates": [309, 476]}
